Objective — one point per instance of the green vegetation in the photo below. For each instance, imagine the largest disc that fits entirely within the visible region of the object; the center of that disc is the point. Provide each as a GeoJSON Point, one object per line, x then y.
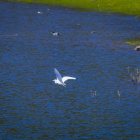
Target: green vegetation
{"type": "Point", "coordinates": [131, 7]}
{"type": "Point", "coordinates": [135, 41]}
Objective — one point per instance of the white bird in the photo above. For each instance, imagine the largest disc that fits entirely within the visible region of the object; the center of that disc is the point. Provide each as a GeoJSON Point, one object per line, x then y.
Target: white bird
{"type": "Point", "coordinates": [59, 80]}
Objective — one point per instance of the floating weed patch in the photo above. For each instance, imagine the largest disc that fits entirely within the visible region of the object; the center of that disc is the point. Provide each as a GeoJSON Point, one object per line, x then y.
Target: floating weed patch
{"type": "Point", "coordinates": [135, 41]}
{"type": "Point", "coordinates": [130, 7]}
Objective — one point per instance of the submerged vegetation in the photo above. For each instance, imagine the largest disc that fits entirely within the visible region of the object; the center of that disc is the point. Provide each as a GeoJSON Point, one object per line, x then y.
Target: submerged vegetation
{"type": "Point", "coordinates": [135, 77]}
{"type": "Point", "coordinates": [131, 7]}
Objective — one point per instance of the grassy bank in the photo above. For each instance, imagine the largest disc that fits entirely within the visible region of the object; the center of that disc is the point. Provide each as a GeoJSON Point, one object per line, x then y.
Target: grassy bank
{"type": "Point", "coordinates": [131, 7]}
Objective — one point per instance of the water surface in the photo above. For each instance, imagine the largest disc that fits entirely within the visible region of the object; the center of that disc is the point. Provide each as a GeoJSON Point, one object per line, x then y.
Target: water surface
{"type": "Point", "coordinates": [33, 107]}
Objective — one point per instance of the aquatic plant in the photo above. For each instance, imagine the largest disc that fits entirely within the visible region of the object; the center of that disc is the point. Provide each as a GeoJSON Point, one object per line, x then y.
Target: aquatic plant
{"type": "Point", "coordinates": [118, 93]}
{"type": "Point", "coordinates": [93, 94]}
{"type": "Point", "coordinates": [135, 77]}
{"type": "Point", "coordinates": [135, 41]}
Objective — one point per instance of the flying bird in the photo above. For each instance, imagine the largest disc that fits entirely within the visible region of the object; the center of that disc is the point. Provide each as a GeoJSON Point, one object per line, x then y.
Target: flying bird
{"type": "Point", "coordinates": [59, 80]}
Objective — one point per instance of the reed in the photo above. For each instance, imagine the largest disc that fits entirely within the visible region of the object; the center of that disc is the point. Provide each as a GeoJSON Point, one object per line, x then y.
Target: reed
{"type": "Point", "coordinates": [135, 77]}
{"type": "Point", "coordinates": [130, 7]}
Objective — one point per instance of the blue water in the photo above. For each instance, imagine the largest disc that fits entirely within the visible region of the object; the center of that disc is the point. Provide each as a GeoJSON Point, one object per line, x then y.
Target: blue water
{"type": "Point", "coordinates": [32, 107]}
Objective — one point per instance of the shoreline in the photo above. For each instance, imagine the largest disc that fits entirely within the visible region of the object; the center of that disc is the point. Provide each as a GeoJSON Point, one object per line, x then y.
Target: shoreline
{"type": "Point", "coordinates": [128, 7]}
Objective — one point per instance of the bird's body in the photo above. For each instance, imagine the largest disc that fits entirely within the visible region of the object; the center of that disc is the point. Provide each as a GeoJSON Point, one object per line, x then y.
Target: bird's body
{"type": "Point", "coordinates": [59, 80]}
{"type": "Point", "coordinates": [55, 33]}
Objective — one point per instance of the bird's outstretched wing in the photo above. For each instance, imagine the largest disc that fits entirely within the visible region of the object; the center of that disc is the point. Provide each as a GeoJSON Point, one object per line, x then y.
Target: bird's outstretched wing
{"type": "Point", "coordinates": [65, 78]}
{"type": "Point", "coordinates": [58, 76]}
